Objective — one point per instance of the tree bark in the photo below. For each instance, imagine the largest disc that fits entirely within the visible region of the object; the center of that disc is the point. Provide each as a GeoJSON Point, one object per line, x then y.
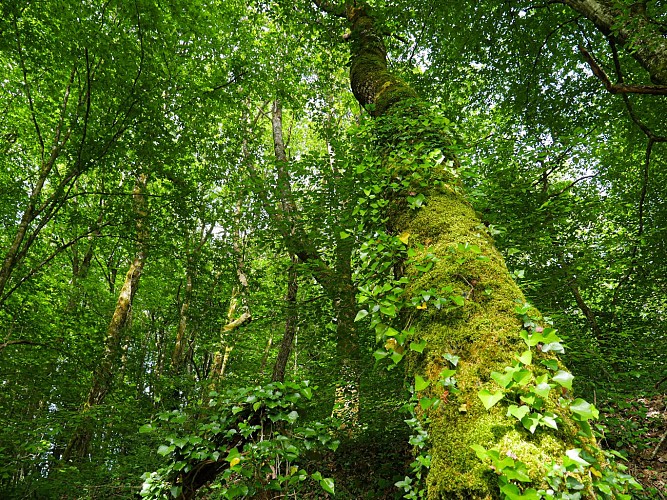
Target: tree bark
{"type": "Point", "coordinates": [103, 376]}
{"type": "Point", "coordinates": [291, 320]}
{"type": "Point", "coordinates": [484, 333]}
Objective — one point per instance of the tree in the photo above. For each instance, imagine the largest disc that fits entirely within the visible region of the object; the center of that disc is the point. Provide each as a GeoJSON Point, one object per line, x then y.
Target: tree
{"type": "Point", "coordinates": [534, 130]}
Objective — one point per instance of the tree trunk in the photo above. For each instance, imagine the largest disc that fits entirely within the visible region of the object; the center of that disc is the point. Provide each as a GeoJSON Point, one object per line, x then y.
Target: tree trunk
{"type": "Point", "coordinates": [484, 333]}
{"type": "Point", "coordinates": [103, 375]}
{"type": "Point", "coordinates": [290, 323]}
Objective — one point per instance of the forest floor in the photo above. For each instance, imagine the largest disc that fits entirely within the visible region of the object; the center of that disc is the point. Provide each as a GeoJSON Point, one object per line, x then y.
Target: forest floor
{"type": "Point", "coordinates": [638, 428]}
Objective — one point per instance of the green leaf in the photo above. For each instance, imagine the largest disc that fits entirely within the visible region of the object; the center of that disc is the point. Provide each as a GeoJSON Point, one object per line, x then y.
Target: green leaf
{"type": "Point", "coordinates": [380, 354]}
{"type": "Point", "coordinates": [292, 416]}
{"type": "Point", "coordinates": [458, 300]}
{"type": "Point", "coordinates": [563, 378]}
{"type": "Point", "coordinates": [361, 315]}
{"type": "Point", "coordinates": [344, 235]}
{"type": "Point", "coordinates": [454, 360]}
{"type": "Point", "coordinates": [490, 399]}
{"type": "Point", "coordinates": [418, 346]}
{"type": "Point", "coordinates": [165, 450]}
{"type": "Point", "coordinates": [420, 383]}
{"type": "Point", "coordinates": [551, 364]}
{"type": "Point", "coordinates": [480, 451]}
{"type": "Point", "coordinates": [526, 357]}
{"type": "Point", "coordinates": [327, 485]}
{"type": "Point", "coordinates": [502, 379]}
{"type": "Point", "coordinates": [426, 403]}
{"type": "Point", "coordinates": [584, 409]}
{"type": "Point", "coordinates": [146, 428]}
{"type": "Point", "coordinates": [573, 455]}
{"type": "Point", "coordinates": [522, 377]}
{"type": "Point", "coordinates": [518, 411]}
{"type": "Point", "coordinates": [531, 422]}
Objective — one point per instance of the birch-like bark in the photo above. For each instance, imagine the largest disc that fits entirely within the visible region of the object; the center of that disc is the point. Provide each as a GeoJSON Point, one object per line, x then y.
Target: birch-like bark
{"type": "Point", "coordinates": [104, 373]}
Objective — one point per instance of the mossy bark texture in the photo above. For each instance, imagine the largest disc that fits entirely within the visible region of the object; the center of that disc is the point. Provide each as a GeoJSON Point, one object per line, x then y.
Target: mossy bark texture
{"type": "Point", "coordinates": [484, 333]}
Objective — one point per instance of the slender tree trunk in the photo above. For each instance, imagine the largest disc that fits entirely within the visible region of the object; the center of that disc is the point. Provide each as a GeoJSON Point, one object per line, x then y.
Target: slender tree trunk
{"type": "Point", "coordinates": [291, 321]}
{"type": "Point", "coordinates": [234, 322]}
{"type": "Point", "coordinates": [178, 354]}
{"type": "Point", "coordinates": [103, 376]}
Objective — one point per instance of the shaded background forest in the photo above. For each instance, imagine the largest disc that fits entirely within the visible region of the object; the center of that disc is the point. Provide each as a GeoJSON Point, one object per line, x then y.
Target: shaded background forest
{"type": "Point", "coordinates": [140, 133]}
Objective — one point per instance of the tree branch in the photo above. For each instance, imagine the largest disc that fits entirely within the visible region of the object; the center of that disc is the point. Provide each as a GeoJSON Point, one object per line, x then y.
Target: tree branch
{"type": "Point", "coordinates": [620, 88]}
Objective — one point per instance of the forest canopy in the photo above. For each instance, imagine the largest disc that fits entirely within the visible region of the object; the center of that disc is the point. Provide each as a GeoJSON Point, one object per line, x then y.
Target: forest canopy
{"type": "Point", "coordinates": [333, 248]}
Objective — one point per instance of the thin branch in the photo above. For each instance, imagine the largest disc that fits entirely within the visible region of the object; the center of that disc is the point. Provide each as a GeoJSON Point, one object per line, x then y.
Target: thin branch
{"type": "Point", "coordinates": [569, 186]}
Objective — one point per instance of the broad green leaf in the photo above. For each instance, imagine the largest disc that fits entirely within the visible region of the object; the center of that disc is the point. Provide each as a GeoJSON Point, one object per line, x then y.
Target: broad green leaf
{"type": "Point", "coordinates": [584, 409]}
{"type": "Point", "coordinates": [502, 379]}
{"type": "Point", "coordinates": [426, 403]}
{"type": "Point", "coordinates": [327, 485]}
{"type": "Point", "coordinates": [165, 450]}
{"type": "Point", "coordinates": [573, 455]}
{"type": "Point", "coordinates": [418, 346]}
{"type": "Point", "coordinates": [458, 300]}
{"type": "Point", "coordinates": [518, 411]}
{"type": "Point", "coordinates": [479, 450]}
{"type": "Point", "coordinates": [146, 428]}
{"type": "Point", "coordinates": [522, 377]}
{"type": "Point", "coordinates": [454, 360]}
{"type": "Point", "coordinates": [490, 399]}
{"type": "Point", "coordinates": [420, 383]}
{"type": "Point", "coordinates": [563, 378]}
{"type": "Point", "coordinates": [551, 364]}
{"type": "Point", "coordinates": [531, 422]}
{"type": "Point", "coordinates": [526, 357]}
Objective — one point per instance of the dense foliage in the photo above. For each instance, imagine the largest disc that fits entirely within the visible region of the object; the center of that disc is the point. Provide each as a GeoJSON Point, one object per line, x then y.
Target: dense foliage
{"type": "Point", "coordinates": [215, 280]}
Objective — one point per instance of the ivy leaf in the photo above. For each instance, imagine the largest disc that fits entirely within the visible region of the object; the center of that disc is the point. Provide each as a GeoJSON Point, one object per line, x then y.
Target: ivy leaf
{"type": "Point", "coordinates": [458, 300]}
{"type": "Point", "coordinates": [531, 422]}
{"type": "Point", "coordinates": [553, 347]}
{"type": "Point", "coordinates": [454, 360]}
{"type": "Point", "coordinates": [526, 358]}
{"type": "Point", "coordinates": [146, 428]}
{"type": "Point", "coordinates": [551, 364]}
{"type": "Point", "coordinates": [420, 383]}
{"type": "Point", "coordinates": [502, 379]}
{"type": "Point", "coordinates": [404, 237]}
{"type": "Point", "coordinates": [327, 485]}
{"type": "Point", "coordinates": [490, 399]}
{"type": "Point", "coordinates": [418, 346]}
{"type": "Point", "coordinates": [380, 354]}
{"type": "Point", "coordinates": [522, 377]}
{"type": "Point", "coordinates": [573, 455]}
{"type": "Point", "coordinates": [165, 450]}
{"type": "Point", "coordinates": [518, 411]}
{"type": "Point", "coordinates": [584, 409]}
{"type": "Point", "coordinates": [426, 403]}
{"type": "Point", "coordinates": [479, 450]}
{"type": "Point", "coordinates": [564, 379]}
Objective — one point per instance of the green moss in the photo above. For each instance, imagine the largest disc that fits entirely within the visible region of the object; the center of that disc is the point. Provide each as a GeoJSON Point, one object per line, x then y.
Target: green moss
{"type": "Point", "coordinates": [484, 333]}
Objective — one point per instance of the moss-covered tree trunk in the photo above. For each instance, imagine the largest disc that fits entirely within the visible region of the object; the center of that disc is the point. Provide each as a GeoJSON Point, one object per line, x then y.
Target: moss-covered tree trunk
{"type": "Point", "coordinates": [106, 370]}
{"type": "Point", "coordinates": [485, 331]}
